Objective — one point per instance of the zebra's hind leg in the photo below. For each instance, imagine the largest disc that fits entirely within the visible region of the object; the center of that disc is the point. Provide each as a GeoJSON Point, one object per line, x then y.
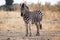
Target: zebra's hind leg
{"type": "Point", "coordinates": [37, 26]}
{"type": "Point", "coordinates": [26, 32]}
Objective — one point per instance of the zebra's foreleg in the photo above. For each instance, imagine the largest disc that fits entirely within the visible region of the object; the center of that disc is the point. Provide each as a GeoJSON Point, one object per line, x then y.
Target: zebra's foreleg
{"type": "Point", "coordinates": [26, 29]}
{"type": "Point", "coordinates": [29, 28]}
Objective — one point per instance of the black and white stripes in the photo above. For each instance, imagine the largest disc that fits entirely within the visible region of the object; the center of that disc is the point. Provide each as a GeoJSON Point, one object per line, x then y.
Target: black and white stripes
{"type": "Point", "coordinates": [31, 17]}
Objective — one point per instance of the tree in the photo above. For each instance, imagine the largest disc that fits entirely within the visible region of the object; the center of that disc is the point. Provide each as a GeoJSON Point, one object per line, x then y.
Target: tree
{"type": "Point", "coordinates": [9, 2]}
{"type": "Point", "coordinates": [9, 5]}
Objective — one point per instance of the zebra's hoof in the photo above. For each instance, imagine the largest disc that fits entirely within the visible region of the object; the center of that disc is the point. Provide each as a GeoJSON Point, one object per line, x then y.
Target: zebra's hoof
{"type": "Point", "coordinates": [26, 35]}
{"type": "Point", "coordinates": [30, 35]}
{"type": "Point", "coordinates": [37, 34]}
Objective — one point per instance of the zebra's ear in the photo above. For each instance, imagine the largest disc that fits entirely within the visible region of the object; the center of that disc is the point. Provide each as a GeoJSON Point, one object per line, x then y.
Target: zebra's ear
{"type": "Point", "coordinates": [20, 4]}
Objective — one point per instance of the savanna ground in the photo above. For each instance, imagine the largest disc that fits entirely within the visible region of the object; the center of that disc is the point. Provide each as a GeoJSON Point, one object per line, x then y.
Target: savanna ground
{"type": "Point", "coordinates": [12, 26]}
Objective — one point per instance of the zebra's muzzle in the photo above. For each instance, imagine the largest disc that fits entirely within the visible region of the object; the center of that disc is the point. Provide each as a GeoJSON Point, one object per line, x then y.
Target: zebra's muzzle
{"type": "Point", "coordinates": [21, 14]}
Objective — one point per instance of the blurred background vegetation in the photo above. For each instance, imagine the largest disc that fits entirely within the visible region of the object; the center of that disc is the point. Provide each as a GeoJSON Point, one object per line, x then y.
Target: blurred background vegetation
{"type": "Point", "coordinates": [9, 6]}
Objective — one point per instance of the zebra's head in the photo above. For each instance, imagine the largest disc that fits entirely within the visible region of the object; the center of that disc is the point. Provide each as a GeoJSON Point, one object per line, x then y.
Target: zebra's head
{"type": "Point", "coordinates": [24, 9]}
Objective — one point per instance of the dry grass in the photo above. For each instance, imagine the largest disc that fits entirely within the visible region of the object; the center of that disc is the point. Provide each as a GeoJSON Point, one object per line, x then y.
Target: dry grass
{"type": "Point", "coordinates": [13, 20]}
{"type": "Point", "coordinates": [11, 23]}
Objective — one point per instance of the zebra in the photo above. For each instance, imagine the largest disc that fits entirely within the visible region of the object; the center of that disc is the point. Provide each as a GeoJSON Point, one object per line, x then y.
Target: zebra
{"type": "Point", "coordinates": [31, 17]}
